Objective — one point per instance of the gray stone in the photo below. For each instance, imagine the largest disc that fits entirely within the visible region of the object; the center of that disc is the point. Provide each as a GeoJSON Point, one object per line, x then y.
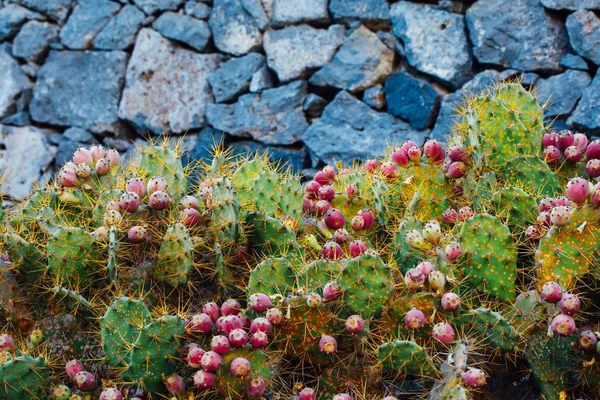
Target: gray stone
{"type": "Point", "coordinates": [120, 32]}
{"type": "Point", "coordinates": [561, 92]}
{"type": "Point", "coordinates": [375, 97]}
{"type": "Point", "coordinates": [79, 135]}
{"type": "Point", "coordinates": [256, 10]}
{"type": "Point", "coordinates": [80, 89]}
{"type": "Point", "coordinates": [295, 51]}
{"type": "Point", "coordinates": [455, 6]}
{"type": "Point", "coordinates": [34, 39]}
{"type": "Point", "coordinates": [12, 17]}
{"type": "Point", "coordinates": [31, 69]}
{"type": "Point", "coordinates": [373, 13]}
{"type": "Point", "coordinates": [21, 118]}
{"type": "Point", "coordinates": [584, 34]}
{"type": "Point", "coordinates": [361, 62]}
{"type": "Point", "coordinates": [528, 79]}
{"type": "Point", "coordinates": [261, 80]}
{"type": "Point", "coordinates": [58, 10]}
{"type": "Point", "coordinates": [314, 105]}
{"type": "Point", "coordinates": [86, 21]}
{"type": "Point", "coordinates": [26, 157]}
{"type": "Point", "coordinates": [288, 12]}
{"type": "Point", "coordinates": [447, 115]}
{"type": "Point", "coordinates": [167, 87]}
{"type": "Point", "coordinates": [572, 5]}
{"type": "Point", "coordinates": [191, 31]}
{"type": "Point", "coordinates": [233, 77]}
{"type": "Point", "coordinates": [234, 30]}
{"type": "Point", "coordinates": [152, 6]}
{"type": "Point", "coordinates": [516, 34]}
{"type": "Point", "coordinates": [197, 9]}
{"type": "Point", "coordinates": [286, 157]}
{"type": "Point", "coordinates": [121, 145]}
{"type": "Point", "coordinates": [414, 100]}
{"type": "Point", "coordinates": [571, 61]}
{"type": "Point", "coordinates": [435, 41]}
{"type": "Point", "coordinates": [273, 117]}
{"type": "Point", "coordinates": [587, 113]}
{"type": "Point", "coordinates": [13, 84]}
{"type": "Point", "coordinates": [349, 130]}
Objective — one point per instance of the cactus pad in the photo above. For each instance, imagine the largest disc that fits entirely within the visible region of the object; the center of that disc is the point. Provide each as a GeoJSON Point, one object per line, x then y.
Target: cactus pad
{"type": "Point", "coordinates": [406, 356]}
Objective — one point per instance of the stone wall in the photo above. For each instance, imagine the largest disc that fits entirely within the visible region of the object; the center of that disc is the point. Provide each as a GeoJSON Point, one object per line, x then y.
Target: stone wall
{"type": "Point", "coordinates": [314, 81]}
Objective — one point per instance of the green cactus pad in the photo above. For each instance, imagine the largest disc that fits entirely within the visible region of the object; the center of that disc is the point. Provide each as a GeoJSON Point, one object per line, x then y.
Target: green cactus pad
{"type": "Point", "coordinates": [272, 276]}
{"type": "Point", "coordinates": [48, 221]}
{"type": "Point", "coordinates": [490, 326]}
{"type": "Point", "coordinates": [224, 215]}
{"type": "Point", "coordinates": [154, 353]}
{"type": "Point", "coordinates": [71, 300]}
{"type": "Point", "coordinates": [426, 190]}
{"type": "Point", "coordinates": [367, 284]}
{"type": "Point", "coordinates": [30, 260]}
{"type": "Point", "coordinates": [314, 276]}
{"type": "Point", "coordinates": [175, 259]}
{"type": "Point", "coordinates": [485, 186]}
{"type": "Point", "coordinates": [120, 328]}
{"type": "Point", "coordinates": [567, 252]}
{"type": "Point", "coordinates": [406, 356]}
{"type": "Point", "coordinates": [533, 175]}
{"type": "Point", "coordinates": [100, 205]}
{"type": "Point", "coordinates": [514, 206]}
{"type": "Point", "coordinates": [72, 256]}
{"type": "Point", "coordinates": [232, 387]}
{"type": "Point", "coordinates": [489, 256]}
{"type": "Point", "coordinates": [24, 378]}
{"type": "Point", "coordinates": [527, 312]}
{"type": "Point", "coordinates": [406, 257]}
{"type": "Point", "coordinates": [270, 237]}
{"type": "Point", "coordinates": [165, 162]}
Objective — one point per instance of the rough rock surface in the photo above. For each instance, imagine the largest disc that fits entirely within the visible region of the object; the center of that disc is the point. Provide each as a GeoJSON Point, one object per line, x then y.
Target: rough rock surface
{"type": "Point", "coordinates": [13, 84]}
{"type": "Point", "coordinates": [361, 62]}
{"type": "Point", "coordinates": [80, 89]}
{"type": "Point", "coordinates": [286, 12]}
{"type": "Point", "coordinates": [120, 32]}
{"type": "Point", "coordinates": [435, 41]}
{"type": "Point", "coordinates": [58, 10]}
{"type": "Point", "coordinates": [349, 130]}
{"type": "Point", "coordinates": [191, 31]}
{"type": "Point", "coordinates": [86, 21]}
{"type": "Point", "coordinates": [375, 97]}
{"type": "Point", "coordinates": [571, 61]}
{"type": "Point", "coordinates": [571, 4]}
{"type": "Point", "coordinates": [12, 17]}
{"type": "Point", "coordinates": [167, 87]}
{"type": "Point", "coordinates": [414, 100]}
{"type": "Point", "coordinates": [584, 34]}
{"type": "Point", "coordinates": [25, 156]}
{"type": "Point", "coordinates": [34, 39]}
{"type": "Point", "coordinates": [561, 92]}
{"type": "Point", "coordinates": [295, 51]}
{"type": "Point", "coordinates": [372, 13]}
{"type": "Point", "coordinates": [152, 6]}
{"type": "Point", "coordinates": [274, 116]}
{"type": "Point", "coordinates": [234, 30]}
{"type": "Point", "coordinates": [587, 113]}
{"type": "Point", "coordinates": [233, 77]}
{"type": "Point", "coordinates": [516, 34]}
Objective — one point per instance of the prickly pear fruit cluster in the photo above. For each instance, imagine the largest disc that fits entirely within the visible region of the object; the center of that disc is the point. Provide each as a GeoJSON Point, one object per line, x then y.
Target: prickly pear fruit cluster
{"type": "Point", "coordinates": [422, 273]}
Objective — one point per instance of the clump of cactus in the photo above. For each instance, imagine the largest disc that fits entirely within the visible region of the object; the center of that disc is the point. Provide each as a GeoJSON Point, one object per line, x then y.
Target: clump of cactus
{"type": "Point", "coordinates": [420, 274]}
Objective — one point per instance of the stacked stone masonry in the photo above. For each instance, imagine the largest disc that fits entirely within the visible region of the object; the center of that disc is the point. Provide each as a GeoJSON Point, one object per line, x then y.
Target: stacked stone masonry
{"type": "Point", "coordinates": [310, 81]}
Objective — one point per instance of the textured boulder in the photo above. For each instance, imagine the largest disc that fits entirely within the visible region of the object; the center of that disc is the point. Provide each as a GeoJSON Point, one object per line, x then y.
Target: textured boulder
{"type": "Point", "coordinates": [435, 41]}
{"type": "Point", "coordinates": [287, 12]}
{"type": "Point", "coordinates": [361, 62]}
{"type": "Point", "coordinates": [58, 10]}
{"type": "Point", "coordinates": [572, 5]}
{"type": "Point", "coordinates": [314, 105]}
{"type": "Point", "coordinates": [191, 31]}
{"type": "Point", "coordinates": [34, 39]}
{"type": "Point", "coordinates": [153, 6]}
{"type": "Point", "coordinates": [274, 116]}
{"type": "Point", "coordinates": [167, 87]}
{"type": "Point", "coordinates": [372, 13]}
{"type": "Point", "coordinates": [234, 29]}
{"type": "Point", "coordinates": [516, 34]}
{"type": "Point", "coordinates": [349, 130]}
{"type": "Point", "coordinates": [12, 17]}
{"type": "Point", "coordinates": [80, 89]}
{"type": "Point", "coordinates": [69, 141]}
{"type": "Point", "coordinates": [13, 84]}
{"type": "Point", "coordinates": [233, 77]}
{"type": "Point", "coordinates": [571, 61]}
{"type": "Point", "coordinates": [414, 100]}
{"type": "Point", "coordinates": [561, 92]}
{"type": "Point", "coordinates": [120, 32]}
{"type": "Point", "coordinates": [295, 51]}
{"type": "Point", "coordinates": [584, 34]}
{"type": "Point", "coordinates": [375, 97]}
{"type": "Point", "coordinates": [587, 113]}
{"type": "Point", "coordinates": [86, 21]}
{"type": "Point", "coordinates": [261, 80]}
{"type": "Point", "coordinates": [197, 9]}
{"type": "Point", "coordinates": [26, 157]}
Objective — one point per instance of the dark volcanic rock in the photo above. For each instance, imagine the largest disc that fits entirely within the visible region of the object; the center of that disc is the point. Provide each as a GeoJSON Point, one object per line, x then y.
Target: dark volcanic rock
{"type": "Point", "coordinates": [120, 32]}
{"type": "Point", "coordinates": [587, 112]}
{"type": "Point", "coordinates": [561, 92]}
{"type": "Point", "coordinates": [183, 28]}
{"type": "Point", "coordinates": [86, 21]}
{"type": "Point", "coordinates": [234, 30]}
{"type": "Point", "coordinates": [372, 13]}
{"type": "Point", "coordinates": [584, 34]}
{"type": "Point", "coordinates": [34, 39]}
{"type": "Point", "coordinates": [233, 77]}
